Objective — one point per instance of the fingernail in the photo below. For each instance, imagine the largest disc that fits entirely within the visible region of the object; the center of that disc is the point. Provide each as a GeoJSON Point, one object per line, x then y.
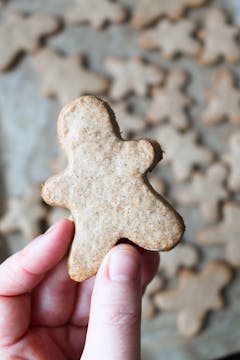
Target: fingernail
{"type": "Point", "coordinates": [124, 265]}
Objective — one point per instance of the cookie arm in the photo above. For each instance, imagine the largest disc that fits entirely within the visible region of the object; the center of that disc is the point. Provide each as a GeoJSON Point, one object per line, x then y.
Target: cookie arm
{"type": "Point", "coordinates": [55, 190]}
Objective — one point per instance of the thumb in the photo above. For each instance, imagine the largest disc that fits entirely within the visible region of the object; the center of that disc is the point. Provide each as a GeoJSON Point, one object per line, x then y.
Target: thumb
{"type": "Point", "coordinates": [115, 315]}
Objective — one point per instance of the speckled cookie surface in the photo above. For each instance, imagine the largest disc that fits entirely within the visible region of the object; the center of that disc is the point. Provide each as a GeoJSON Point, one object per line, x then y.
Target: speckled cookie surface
{"type": "Point", "coordinates": [104, 187]}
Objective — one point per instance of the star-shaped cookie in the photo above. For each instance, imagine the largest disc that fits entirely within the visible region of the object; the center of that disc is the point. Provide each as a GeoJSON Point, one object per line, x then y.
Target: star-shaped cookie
{"type": "Point", "coordinates": [20, 33]}
{"type": "Point", "coordinates": [170, 102]}
{"type": "Point", "coordinates": [105, 188]}
{"type": "Point", "coordinates": [207, 190]}
{"type": "Point", "coordinates": [96, 12]}
{"type": "Point", "coordinates": [195, 296]}
{"type": "Point", "coordinates": [65, 76]}
{"type": "Point", "coordinates": [182, 151]}
{"type": "Point", "coordinates": [24, 214]}
{"type": "Point", "coordinates": [172, 38]}
{"type": "Point", "coordinates": [148, 11]}
{"type": "Point", "coordinates": [132, 76]}
{"type": "Point", "coordinates": [223, 99]}
{"type": "Point", "coordinates": [219, 38]}
{"type": "Point", "coordinates": [225, 233]}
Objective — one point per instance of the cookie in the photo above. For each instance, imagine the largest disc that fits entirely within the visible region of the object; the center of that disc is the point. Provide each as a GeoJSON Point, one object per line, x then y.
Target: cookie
{"type": "Point", "coordinates": [20, 33]}
{"type": "Point", "coordinates": [183, 256]}
{"type": "Point", "coordinates": [219, 38]}
{"type": "Point", "coordinates": [232, 160]}
{"type": "Point", "coordinates": [105, 185]}
{"type": "Point", "coordinates": [132, 76]}
{"type": "Point", "coordinates": [128, 121]}
{"type": "Point", "coordinates": [225, 233]}
{"type": "Point", "coordinates": [65, 77]}
{"type": "Point", "coordinates": [223, 99]}
{"type": "Point", "coordinates": [195, 295]}
{"type": "Point", "coordinates": [182, 151]}
{"type": "Point", "coordinates": [172, 38]}
{"type": "Point", "coordinates": [206, 190]}
{"type": "Point", "coordinates": [24, 214]}
{"type": "Point", "coordinates": [58, 163]}
{"type": "Point", "coordinates": [148, 11]}
{"type": "Point", "coordinates": [148, 307]}
{"type": "Point", "coordinates": [95, 12]}
{"type": "Point", "coordinates": [170, 102]}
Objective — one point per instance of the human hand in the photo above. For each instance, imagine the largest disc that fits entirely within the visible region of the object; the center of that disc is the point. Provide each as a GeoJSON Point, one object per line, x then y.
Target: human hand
{"type": "Point", "coordinates": [45, 315]}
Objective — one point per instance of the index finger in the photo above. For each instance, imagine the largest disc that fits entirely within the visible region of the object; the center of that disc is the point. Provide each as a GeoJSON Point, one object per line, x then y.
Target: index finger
{"type": "Point", "coordinates": [21, 272]}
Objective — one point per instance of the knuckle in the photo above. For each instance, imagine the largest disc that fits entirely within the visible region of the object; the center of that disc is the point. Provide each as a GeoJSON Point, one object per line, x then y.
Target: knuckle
{"type": "Point", "coordinates": [120, 315]}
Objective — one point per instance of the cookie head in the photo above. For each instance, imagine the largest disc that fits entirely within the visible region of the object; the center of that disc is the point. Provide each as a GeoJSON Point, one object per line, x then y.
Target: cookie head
{"type": "Point", "coordinates": [86, 120]}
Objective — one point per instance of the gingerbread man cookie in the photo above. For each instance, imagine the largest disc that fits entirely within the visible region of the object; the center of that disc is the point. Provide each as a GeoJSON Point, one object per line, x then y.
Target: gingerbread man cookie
{"type": "Point", "coordinates": [232, 160]}
{"type": "Point", "coordinates": [148, 307]}
{"type": "Point", "coordinates": [172, 38]}
{"type": "Point", "coordinates": [195, 296]}
{"type": "Point", "coordinates": [96, 12]}
{"type": "Point", "coordinates": [223, 100]}
{"type": "Point", "coordinates": [183, 256]}
{"type": "Point", "coordinates": [20, 33]}
{"type": "Point", "coordinates": [206, 190]}
{"type": "Point", "coordinates": [182, 151]}
{"type": "Point", "coordinates": [169, 102]}
{"type": "Point", "coordinates": [225, 233]}
{"type": "Point", "coordinates": [132, 75]}
{"type": "Point", "coordinates": [24, 214]}
{"type": "Point", "coordinates": [219, 38]}
{"type": "Point", "coordinates": [65, 76]}
{"type": "Point", "coordinates": [148, 11]}
{"type": "Point", "coordinates": [105, 188]}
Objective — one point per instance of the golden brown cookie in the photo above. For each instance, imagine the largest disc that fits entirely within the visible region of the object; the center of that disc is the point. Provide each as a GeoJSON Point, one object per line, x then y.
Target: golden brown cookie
{"type": "Point", "coordinates": [232, 160]}
{"type": "Point", "coordinates": [95, 12]}
{"type": "Point", "coordinates": [148, 11]}
{"type": "Point", "coordinates": [182, 151]}
{"type": "Point", "coordinates": [207, 190]}
{"type": "Point", "coordinates": [105, 188]}
{"type": "Point", "coordinates": [195, 295]}
{"type": "Point", "coordinates": [225, 233]}
{"type": "Point", "coordinates": [171, 38]}
{"type": "Point", "coordinates": [20, 33]}
{"type": "Point", "coordinates": [223, 99]}
{"type": "Point", "coordinates": [24, 214]}
{"type": "Point", "coordinates": [219, 38]}
{"type": "Point", "coordinates": [170, 101]}
{"type": "Point", "coordinates": [132, 76]}
{"type": "Point", "coordinates": [66, 77]}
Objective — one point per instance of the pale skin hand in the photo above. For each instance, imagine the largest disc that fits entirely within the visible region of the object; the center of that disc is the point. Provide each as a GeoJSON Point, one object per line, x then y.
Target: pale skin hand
{"type": "Point", "coordinates": [45, 315]}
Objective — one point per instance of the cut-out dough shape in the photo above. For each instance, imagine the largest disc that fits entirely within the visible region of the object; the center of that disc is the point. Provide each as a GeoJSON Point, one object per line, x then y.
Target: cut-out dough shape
{"type": "Point", "coordinates": [232, 159]}
{"type": "Point", "coordinates": [148, 11]}
{"type": "Point", "coordinates": [170, 102]}
{"type": "Point", "coordinates": [223, 100]}
{"type": "Point", "coordinates": [225, 233]}
{"type": "Point", "coordinates": [172, 38]}
{"type": "Point", "coordinates": [65, 76]}
{"type": "Point", "coordinates": [24, 214]}
{"type": "Point", "coordinates": [20, 33]}
{"type": "Point", "coordinates": [182, 151]}
{"type": "Point", "coordinates": [132, 75]}
{"type": "Point", "coordinates": [95, 12]}
{"type": "Point", "coordinates": [195, 295]}
{"type": "Point", "coordinates": [183, 256]}
{"type": "Point", "coordinates": [128, 122]}
{"type": "Point", "coordinates": [206, 190]}
{"type": "Point", "coordinates": [105, 189]}
{"type": "Point", "coordinates": [219, 38]}
{"type": "Point", "coordinates": [148, 307]}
